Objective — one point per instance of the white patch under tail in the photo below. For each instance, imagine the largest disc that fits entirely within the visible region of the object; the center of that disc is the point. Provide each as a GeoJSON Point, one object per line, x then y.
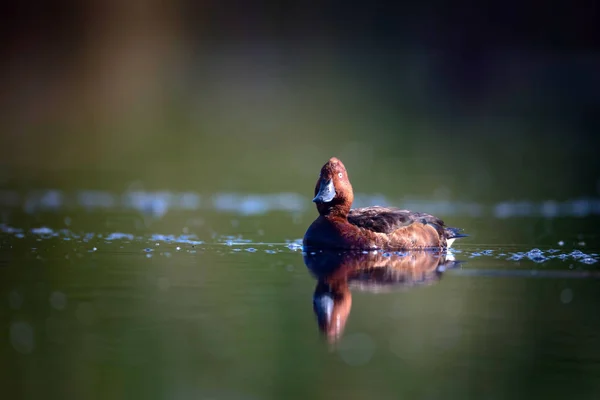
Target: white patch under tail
{"type": "Point", "coordinates": [450, 257]}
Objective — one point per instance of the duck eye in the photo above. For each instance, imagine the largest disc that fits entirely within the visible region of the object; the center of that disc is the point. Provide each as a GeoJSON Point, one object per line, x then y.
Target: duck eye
{"type": "Point", "coordinates": [340, 175]}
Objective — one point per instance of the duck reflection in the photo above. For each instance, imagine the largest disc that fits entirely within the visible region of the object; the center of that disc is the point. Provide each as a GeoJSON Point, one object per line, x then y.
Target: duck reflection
{"type": "Point", "coordinates": [338, 272]}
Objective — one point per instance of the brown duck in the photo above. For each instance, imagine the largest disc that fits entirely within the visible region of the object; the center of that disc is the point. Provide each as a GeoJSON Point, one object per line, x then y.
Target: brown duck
{"type": "Point", "coordinates": [341, 227]}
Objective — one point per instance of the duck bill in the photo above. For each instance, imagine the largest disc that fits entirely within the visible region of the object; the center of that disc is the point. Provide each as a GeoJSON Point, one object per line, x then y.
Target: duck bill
{"type": "Point", "coordinates": [326, 192]}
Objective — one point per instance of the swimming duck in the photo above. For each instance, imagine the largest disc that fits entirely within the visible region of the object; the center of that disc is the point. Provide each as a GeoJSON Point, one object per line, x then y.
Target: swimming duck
{"type": "Point", "coordinates": [386, 228]}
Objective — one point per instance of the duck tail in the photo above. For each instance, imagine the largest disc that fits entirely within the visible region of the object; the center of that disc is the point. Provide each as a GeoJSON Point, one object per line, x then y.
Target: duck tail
{"type": "Point", "coordinates": [454, 233]}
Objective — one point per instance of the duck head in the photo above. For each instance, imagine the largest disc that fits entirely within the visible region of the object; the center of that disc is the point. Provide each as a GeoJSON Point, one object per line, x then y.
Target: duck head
{"type": "Point", "coordinates": [333, 191]}
{"type": "Point", "coordinates": [332, 302]}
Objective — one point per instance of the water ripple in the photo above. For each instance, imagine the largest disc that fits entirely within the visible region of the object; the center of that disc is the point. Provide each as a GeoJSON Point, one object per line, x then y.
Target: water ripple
{"type": "Point", "coordinates": [169, 244]}
{"type": "Point", "coordinates": [157, 204]}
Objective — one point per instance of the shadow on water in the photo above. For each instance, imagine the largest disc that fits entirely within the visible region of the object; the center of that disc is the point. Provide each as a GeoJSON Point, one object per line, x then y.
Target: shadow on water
{"type": "Point", "coordinates": [337, 273]}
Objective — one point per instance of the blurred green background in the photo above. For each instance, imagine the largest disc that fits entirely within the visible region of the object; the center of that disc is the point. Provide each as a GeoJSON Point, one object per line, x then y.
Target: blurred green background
{"type": "Point", "coordinates": [207, 96]}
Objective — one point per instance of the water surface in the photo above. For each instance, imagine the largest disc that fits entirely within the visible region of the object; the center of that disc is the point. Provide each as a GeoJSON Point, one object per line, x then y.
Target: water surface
{"type": "Point", "coordinates": [219, 303]}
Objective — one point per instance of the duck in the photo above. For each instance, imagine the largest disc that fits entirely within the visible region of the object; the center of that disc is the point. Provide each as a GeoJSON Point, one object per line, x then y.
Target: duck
{"type": "Point", "coordinates": [339, 226]}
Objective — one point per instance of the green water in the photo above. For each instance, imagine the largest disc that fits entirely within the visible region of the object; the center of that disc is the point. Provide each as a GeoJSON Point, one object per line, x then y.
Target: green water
{"type": "Point", "coordinates": [226, 312]}
{"type": "Point", "coordinates": [156, 172]}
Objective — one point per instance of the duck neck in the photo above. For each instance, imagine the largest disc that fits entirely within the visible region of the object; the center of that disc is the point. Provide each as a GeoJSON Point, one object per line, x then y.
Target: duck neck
{"type": "Point", "coordinates": [338, 211]}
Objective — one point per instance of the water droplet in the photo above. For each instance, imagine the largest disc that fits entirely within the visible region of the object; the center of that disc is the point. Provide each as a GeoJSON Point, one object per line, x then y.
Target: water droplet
{"type": "Point", "coordinates": [177, 248]}
{"type": "Point", "coordinates": [251, 249]}
{"type": "Point", "coordinates": [294, 246]}
{"type": "Point", "coordinates": [44, 230]}
{"type": "Point", "coordinates": [577, 254]}
{"type": "Point", "coordinates": [566, 296]}
{"type": "Point", "coordinates": [21, 337]}
{"type": "Point", "coordinates": [58, 300]}
{"type": "Point", "coordinates": [561, 243]}
{"type": "Point", "coordinates": [516, 257]}
{"type": "Point", "coordinates": [536, 255]}
{"type": "Point", "coordinates": [357, 349]}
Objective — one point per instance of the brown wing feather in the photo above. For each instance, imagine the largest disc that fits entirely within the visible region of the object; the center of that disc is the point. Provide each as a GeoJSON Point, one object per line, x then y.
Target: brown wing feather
{"type": "Point", "coordinates": [388, 219]}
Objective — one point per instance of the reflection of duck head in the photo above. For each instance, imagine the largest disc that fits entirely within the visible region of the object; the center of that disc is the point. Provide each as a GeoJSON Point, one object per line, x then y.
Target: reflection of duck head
{"type": "Point", "coordinates": [331, 303]}
{"type": "Point", "coordinates": [338, 272]}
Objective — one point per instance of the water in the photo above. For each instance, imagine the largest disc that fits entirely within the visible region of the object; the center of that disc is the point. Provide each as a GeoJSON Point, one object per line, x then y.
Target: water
{"type": "Point", "coordinates": [187, 298]}
{"type": "Point", "coordinates": [154, 189]}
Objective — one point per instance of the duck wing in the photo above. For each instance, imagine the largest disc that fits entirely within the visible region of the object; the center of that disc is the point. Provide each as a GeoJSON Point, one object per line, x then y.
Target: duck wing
{"type": "Point", "coordinates": [388, 219]}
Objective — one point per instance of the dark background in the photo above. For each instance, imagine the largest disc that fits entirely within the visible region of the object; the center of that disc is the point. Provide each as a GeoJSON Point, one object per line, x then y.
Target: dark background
{"type": "Point", "coordinates": [488, 101]}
